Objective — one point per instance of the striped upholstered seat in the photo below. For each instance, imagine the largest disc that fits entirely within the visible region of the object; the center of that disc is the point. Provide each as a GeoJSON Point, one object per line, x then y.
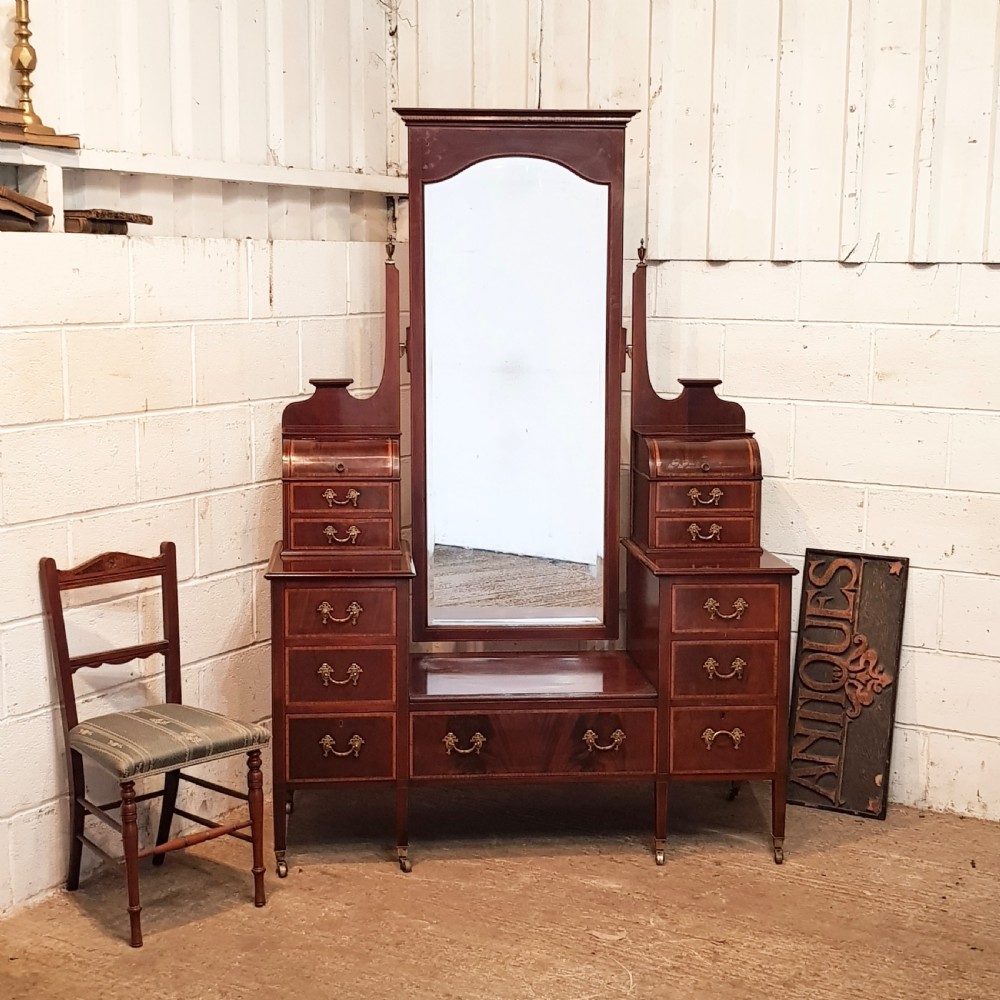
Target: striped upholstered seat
{"type": "Point", "coordinates": [160, 738]}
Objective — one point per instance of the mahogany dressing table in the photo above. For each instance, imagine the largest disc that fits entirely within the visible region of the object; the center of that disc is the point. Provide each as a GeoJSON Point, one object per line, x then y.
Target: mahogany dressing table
{"type": "Point", "coordinates": [496, 652]}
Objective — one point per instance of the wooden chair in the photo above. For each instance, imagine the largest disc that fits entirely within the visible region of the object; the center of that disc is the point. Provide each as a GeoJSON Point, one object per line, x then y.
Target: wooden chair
{"type": "Point", "coordinates": [157, 739]}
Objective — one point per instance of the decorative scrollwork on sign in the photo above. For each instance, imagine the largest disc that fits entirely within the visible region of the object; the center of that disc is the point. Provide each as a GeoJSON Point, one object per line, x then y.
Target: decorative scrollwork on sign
{"type": "Point", "coordinates": [739, 606]}
{"type": "Point", "coordinates": [863, 676]}
{"type": "Point", "coordinates": [714, 496]}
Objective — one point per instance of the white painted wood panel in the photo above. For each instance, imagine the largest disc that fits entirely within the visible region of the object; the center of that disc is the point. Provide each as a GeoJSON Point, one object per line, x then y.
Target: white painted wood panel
{"type": "Point", "coordinates": [891, 90]}
{"type": "Point", "coordinates": [563, 54]}
{"type": "Point", "coordinates": [500, 53]}
{"type": "Point", "coordinates": [956, 140]}
{"type": "Point", "coordinates": [444, 53]}
{"type": "Point", "coordinates": [619, 78]}
{"type": "Point", "coordinates": [745, 113]}
{"type": "Point", "coordinates": [812, 106]}
{"type": "Point", "coordinates": [680, 123]}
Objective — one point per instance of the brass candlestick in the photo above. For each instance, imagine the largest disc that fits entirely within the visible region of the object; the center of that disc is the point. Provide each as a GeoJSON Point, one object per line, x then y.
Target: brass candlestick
{"type": "Point", "coordinates": [24, 59]}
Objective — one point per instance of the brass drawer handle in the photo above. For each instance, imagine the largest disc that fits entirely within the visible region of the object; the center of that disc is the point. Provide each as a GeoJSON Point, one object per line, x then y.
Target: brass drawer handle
{"type": "Point", "coordinates": [325, 671]}
{"type": "Point", "coordinates": [353, 534]}
{"type": "Point", "coordinates": [714, 531]}
{"type": "Point", "coordinates": [714, 496]}
{"type": "Point", "coordinates": [352, 497]}
{"type": "Point", "coordinates": [590, 738]}
{"type": "Point", "coordinates": [450, 741]}
{"type": "Point", "coordinates": [353, 613]}
{"type": "Point", "coordinates": [712, 607]}
{"type": "Point", "coordinates": [736, 735]}
{"type": "Point", "coordinates": [354, 745]}
{"type": "Point", "coordinates": [711, 667]}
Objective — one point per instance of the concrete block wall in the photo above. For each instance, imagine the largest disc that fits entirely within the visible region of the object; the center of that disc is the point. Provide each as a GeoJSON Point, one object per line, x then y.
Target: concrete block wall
{"type": "Point", "coordinates": [873, 393]}
{"type": "Point", "coordinates": [141, 388]}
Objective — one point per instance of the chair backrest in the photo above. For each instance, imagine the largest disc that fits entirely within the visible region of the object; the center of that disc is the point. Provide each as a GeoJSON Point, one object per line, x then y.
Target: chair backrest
{"type": "Point", "coordinates": [113, 567]}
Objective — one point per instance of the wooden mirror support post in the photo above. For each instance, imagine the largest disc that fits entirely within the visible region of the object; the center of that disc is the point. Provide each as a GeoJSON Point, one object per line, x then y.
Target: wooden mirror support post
{"type": "Point", "coordinates": [340, 592]}
{"type": "Point", "coordinates": [708, 611]}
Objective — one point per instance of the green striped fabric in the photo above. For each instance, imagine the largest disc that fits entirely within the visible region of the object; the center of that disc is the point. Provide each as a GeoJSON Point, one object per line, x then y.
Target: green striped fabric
{"type": "Point", "coordinates": [161, 738]}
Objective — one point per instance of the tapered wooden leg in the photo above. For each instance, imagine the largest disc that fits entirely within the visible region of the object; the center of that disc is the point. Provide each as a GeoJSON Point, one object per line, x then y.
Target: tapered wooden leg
{"type": "Point", "coordinates": [76, 817]}
{"type": "Point", "coordinates": [402, 827]}
{"type": "Point", "coordinates": [779, 791]}
{"type": "Point", "coordinates": [130, 841]}
{"type": "Point", "coordinates": [255, 798]}
{"type": "Point", "coordinates": [170, 783]}
{"type": "Point", "coordinates": [660, 843]}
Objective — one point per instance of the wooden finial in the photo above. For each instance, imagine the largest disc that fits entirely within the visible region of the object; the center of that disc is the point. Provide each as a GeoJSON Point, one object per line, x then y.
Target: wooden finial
{"type": "Point", "coordinates": [642, 251]}
{"type": "Point", "coordinates": [390, 249]}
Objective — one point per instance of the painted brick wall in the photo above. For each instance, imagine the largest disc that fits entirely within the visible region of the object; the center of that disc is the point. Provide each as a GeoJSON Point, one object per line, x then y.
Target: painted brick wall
{"type": "Point", "coordinates": [141, 388]}
{"type": "Point", "coordinates": [873, 393]}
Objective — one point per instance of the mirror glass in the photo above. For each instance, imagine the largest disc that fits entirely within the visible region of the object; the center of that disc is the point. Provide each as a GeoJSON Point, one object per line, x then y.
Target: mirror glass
{"type": "Point", "coordinates": [515, 291]}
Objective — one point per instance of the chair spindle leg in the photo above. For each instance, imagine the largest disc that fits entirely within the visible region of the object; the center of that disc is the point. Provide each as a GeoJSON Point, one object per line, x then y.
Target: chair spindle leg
{"type": "Point", "coordinates": [130, 841]}
{"type": "Point", "coordinates": [170, 783]}
{"type": "Point", "coordinates": [255, 797]}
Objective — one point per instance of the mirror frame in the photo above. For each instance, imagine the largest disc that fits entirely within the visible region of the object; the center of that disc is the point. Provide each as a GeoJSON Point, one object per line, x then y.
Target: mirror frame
{"type": "Point", "coordinates": [442, 143]}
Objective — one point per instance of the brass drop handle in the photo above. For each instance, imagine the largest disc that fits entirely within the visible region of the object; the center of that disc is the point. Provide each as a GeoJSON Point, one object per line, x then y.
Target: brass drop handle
{"type": "Point", "coordinates": [325, 610]}
{"type": "Point", "coordinates": [353, 534]}
{"type": "Point", "coordinates": [714, 496]}
{"type": "Point", "coordinates": [354, 745]}
{"type": "Point", "coordinates": [711, 667]}
{"type": "Point", "coordinates": [325, 671]}
{"type": "Point", "coordinates": [739, 606]}
{"type": "Point", "coordinates": [351, 497]}
{"type": "Point", "coordinates": [590, 738]}
{"type": "Point", "coordinates": [477, 741]}
{"type": "Point", "coordinates": [736, 735]}
{"type": "Point", "coordinates": [714, 531]}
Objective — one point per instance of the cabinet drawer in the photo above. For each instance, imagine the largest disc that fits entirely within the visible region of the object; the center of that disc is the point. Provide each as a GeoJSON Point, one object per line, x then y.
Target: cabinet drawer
{"type": "Point", "coordinates": [355, 499]}
{"type": "Point", "coordinates": [722, 740]}
{"type": "Point", "coordinates": [364, 458]}
{"type": "Point", "coordinates": [704, 497]}
{"type": "Point", "coordinates": [341, 613]}
{"type": "Point", "coordinates": [740, 669]}
{"type": "Point", "coordinates": [341, 534]}
{"type": "Point", "coordinates": [532, 743]}
{"type": "Point", "coordinates": [724, 607]}
{"type": "Point", "coordinates": [337, 675]}
{"type": "Point", "coordinates": [704, 531]}
{"type": "Point", "coordinates": [340, 748]}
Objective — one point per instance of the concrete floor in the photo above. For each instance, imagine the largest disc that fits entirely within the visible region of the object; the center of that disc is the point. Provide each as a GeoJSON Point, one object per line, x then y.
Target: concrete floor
{"type": "Point", "coordinates": [541, 892]}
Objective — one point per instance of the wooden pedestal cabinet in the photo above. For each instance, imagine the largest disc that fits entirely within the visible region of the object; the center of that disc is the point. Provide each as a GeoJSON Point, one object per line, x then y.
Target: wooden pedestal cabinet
{"type": "Point", "coordinates": [340, 593]}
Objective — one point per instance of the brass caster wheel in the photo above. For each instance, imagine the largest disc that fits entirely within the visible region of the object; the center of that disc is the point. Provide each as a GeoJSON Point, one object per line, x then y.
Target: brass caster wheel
{"type": "Point", "coordinates": [661, 857]}
{"type": "Point", "coordinates": [405, 865]}
{"type": "Point", "coordinates": [289, 807]}
{"type": "Point", "coordinates": [734, 791]}
{"type": "Point", "coordinates": [779, 855]}
{"type": "Point", "coordinates": [282, 869]}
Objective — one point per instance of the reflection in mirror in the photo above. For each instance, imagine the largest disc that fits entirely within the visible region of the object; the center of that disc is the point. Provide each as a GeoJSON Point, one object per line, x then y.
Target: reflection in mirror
{"type": "Point", "coordinates": [515, 285]}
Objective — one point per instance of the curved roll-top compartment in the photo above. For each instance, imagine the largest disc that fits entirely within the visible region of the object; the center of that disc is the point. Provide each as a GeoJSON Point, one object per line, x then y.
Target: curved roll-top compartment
{"type": "Point", "coordinates": [661, 457]}
{"type": "Point", "coordinates": [367, 458]}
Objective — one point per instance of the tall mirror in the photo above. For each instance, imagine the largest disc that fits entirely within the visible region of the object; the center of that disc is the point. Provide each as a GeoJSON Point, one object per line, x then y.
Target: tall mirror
{"type": "Point", "coordinates": [515, 358]}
